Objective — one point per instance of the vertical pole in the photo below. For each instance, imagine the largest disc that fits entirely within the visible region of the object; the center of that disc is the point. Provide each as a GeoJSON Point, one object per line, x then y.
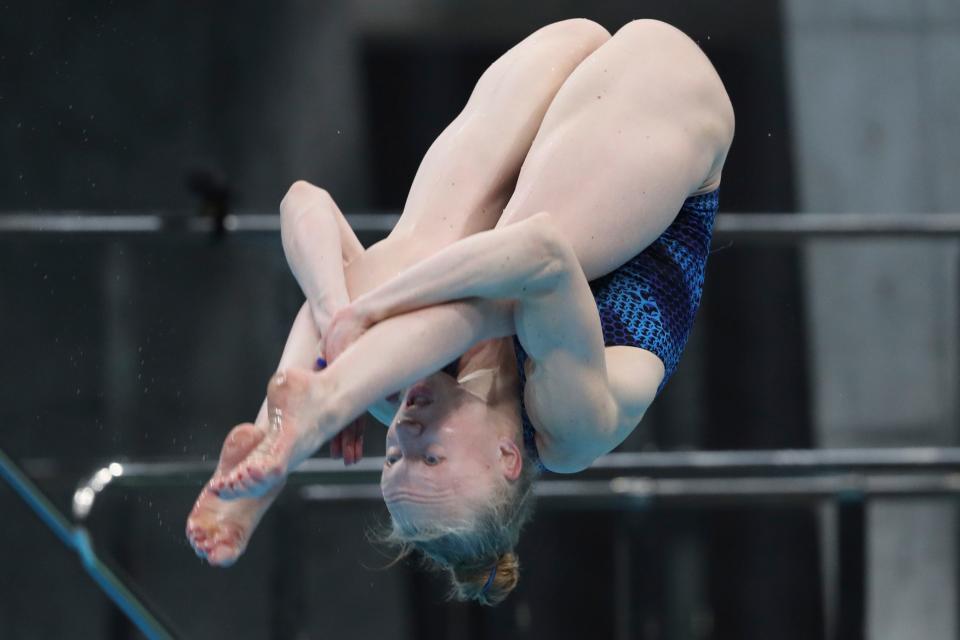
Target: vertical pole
{"type": "Point", "coordinates": [621, 577]}
{"type": "Point", "coordinates": [287, 612]}
{"type": "Point", "coordinates": [852, 570]}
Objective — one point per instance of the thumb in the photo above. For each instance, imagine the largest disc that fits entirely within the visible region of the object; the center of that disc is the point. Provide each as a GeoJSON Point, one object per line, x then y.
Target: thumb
{"type": "Point", "coordinates": [321, 361]}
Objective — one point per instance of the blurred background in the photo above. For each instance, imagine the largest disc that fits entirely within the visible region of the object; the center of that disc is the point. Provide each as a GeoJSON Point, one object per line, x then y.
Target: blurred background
{"type": "Point", "coordinates": [152, 346]}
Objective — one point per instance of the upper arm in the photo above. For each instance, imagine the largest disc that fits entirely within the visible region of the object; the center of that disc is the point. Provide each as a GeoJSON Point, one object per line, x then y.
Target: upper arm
{"type": "Point", "coordinates": [583, 398]}
{"type": "Point", "coordinates": [632, 379]}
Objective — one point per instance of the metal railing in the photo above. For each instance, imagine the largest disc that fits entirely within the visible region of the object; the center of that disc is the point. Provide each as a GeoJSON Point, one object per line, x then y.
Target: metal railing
{"type": "Point", "coordinates": [77, 539]}
{"type": "Point", "coordinates": [624, 479]}
{"type": "Point", "coordinates": [846, 478]}
{"type": "Point", "coordinates": [748, 227]}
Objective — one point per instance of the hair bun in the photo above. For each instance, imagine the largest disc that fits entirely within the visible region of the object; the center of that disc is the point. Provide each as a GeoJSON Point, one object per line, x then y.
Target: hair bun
{"type": "Point", "coordinates": [469, 585]}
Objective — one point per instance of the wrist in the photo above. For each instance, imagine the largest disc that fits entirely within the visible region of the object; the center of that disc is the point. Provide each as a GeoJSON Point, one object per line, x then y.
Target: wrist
{"type": "Point", "coordinates": [321, 315]}
{"type": "Point", "coordinates": [323, 312]}
{"type": "Point", "coordinates": [363, 312]}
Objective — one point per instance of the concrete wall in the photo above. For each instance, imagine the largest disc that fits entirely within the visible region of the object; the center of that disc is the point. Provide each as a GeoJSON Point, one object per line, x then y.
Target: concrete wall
{"type": "Point", "coordinates": [875, 88]}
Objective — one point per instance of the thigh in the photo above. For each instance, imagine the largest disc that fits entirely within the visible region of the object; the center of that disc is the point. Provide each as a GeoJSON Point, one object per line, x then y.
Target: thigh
{"type": "Point", "coordinates": [640, 125]}
{"type": "Point", "coordinates": [468, 173]}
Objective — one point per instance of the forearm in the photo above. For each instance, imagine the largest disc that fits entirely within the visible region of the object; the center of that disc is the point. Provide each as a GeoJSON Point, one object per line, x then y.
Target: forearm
{"type": "Point", "coordinates": [403, 349]}
{"type": "Point", "coordinates": [504, 263]}
{"type": "Point", "coordinates": [317, 242]}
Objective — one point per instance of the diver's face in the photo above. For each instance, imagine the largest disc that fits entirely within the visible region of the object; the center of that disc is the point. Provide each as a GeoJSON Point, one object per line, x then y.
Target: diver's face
{"type": "Point", "coordinates": [444, 455]}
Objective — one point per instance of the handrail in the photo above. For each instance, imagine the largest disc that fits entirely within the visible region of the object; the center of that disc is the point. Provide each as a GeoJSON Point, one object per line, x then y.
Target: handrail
{"type": "Point", "coordinates": [77, 539]}
{"type": "Point", "coordinates": [715, 475]}
{"type": "Point", "coordinates": [632, 492]}
{"type": "Point", "coordinates": [751, 227]}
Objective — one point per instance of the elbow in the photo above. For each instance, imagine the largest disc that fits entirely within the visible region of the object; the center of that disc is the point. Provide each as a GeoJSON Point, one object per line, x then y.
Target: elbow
{"type": "Point", "coordinates": [557, 259]}
{"type": "Point", "coordinates": [594, 439]}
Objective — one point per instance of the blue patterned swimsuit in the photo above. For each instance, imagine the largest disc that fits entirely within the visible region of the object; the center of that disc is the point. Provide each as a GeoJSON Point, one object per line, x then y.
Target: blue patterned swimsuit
{"type": "Point", "coordinates": [650, 301]}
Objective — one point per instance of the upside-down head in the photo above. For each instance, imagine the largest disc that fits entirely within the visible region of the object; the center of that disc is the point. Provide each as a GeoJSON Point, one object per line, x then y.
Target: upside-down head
{"type": "Point", "coordinates": [456, 481]}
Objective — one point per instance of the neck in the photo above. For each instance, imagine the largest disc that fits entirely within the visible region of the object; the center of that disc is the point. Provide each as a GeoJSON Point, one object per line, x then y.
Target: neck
{"type": "Point", "coordinates": [489, 371]}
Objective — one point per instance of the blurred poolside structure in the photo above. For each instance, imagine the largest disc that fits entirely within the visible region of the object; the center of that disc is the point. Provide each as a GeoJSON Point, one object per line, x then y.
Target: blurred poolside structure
{"type": "Point", "coordinates": [154, 347]}
{"type": "Point", "coordinates": [874, 89]}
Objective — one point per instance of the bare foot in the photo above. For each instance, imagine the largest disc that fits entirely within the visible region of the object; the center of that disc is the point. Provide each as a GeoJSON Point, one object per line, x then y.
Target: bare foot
{"type": "Point", "coordinates": [293, 436]}
{"type": "Point", "coordinates": [218, 529]}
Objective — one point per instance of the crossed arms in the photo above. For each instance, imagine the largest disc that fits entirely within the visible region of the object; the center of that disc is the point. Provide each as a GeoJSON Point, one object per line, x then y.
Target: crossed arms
{"type": "Point", "coordinates": [521, 279]}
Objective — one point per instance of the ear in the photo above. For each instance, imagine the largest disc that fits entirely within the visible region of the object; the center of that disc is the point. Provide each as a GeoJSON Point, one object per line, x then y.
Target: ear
{"type": "Point", "coordinates": [511, 459]}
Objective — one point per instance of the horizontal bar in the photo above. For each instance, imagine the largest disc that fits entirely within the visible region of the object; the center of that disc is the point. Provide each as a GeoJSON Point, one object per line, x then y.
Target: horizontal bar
{"type": "Point", "coordinates": [381, 223]}
{"type": "Point", "coordinates": [765, 227]}
{"type": "Point", "coordinates": [632, 491]}
{"type": "Point", "coordinates": [674, 465]}
{"type": "Point", "coordinates": [80, 222]}
{"type": "Point", "coordinates": [780, 462]}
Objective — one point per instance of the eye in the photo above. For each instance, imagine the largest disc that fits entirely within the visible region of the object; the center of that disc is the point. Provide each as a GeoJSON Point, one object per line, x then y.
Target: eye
{"type": "Point", "coordinates": [431, 460]}
{"type": "Point", "coordinates": [391, 459]}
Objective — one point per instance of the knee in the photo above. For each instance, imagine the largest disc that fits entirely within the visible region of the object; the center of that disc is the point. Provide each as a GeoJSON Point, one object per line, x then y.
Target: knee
{"type": "Point", "coordinates": [302, 197]}
{"type": "Point", "coordinates": [689, 75]}
{"type": "Point", "coordinates": [302, 191]}
{"type": "Point", "coordinates": [645, 31]}
{"type": "Point", "coordinates": [586, 32]}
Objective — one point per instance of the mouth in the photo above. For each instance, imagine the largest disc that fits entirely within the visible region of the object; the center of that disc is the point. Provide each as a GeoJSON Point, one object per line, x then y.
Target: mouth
{"type": "Point", "coordinates": [419, 395]}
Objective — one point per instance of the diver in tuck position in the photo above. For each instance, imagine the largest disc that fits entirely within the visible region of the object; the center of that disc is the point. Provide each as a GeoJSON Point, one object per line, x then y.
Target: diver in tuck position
{"type": "Point", "coordinates": [552, 245]}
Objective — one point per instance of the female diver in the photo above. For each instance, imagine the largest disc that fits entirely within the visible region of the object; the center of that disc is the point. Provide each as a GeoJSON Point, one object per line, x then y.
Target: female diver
{"type": "Point", "coordinates": [542, 251]}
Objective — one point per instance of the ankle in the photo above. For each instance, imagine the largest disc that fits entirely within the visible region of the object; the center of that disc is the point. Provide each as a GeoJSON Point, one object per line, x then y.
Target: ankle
{"type": "Point", "coordinates": [331, 399]}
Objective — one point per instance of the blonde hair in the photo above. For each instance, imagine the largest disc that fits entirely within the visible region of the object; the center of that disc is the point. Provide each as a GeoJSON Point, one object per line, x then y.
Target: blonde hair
{"type": "Point", "coordinates": [470, 551]}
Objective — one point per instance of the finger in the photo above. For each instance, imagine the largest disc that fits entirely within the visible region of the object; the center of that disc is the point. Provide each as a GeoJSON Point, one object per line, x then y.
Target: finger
{"type": "Point", "coordinates": [351, 439]}
{"type": "Point", "coordinates": [357, 430]}
{"type": "Point", "coordinates": [336, 447]}
{"type": "Point", "coordinates": [320, 361]}
{"type": "Point", "coordinates": [358, 446]}
{"type": "Point", "coordinates": [333, 349]}
{"type": "Point", "coordinates": [348, 438]}
{"type": "Point", "coordinates": [353, 443]}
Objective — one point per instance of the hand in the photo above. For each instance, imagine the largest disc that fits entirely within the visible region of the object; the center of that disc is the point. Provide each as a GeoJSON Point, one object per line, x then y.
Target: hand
{"type": "Point", "coordinates": [348, 444]}
{"type": "Point", "coordinates": [347, 325]}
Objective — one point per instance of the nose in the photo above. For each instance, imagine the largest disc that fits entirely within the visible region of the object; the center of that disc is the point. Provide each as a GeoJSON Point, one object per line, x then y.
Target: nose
{"type": "Point", "coordinates": [408, 437]}
{"type": "Point", "coordinates": [408, 430]}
